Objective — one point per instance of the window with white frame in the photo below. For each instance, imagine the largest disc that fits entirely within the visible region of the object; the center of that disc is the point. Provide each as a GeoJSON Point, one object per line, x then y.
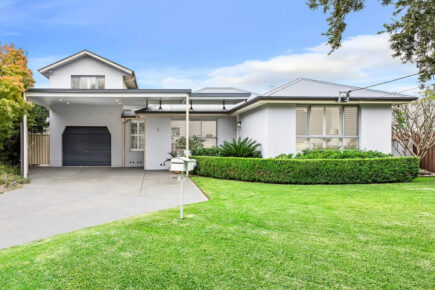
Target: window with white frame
{"type": "Point", "coordinates": [326, 127]}
{"type": "Point", "coordinates": [203, 128]}
{"type": "Point", "coordinates": [137, 135]}
{"type": "Point", "coordinates": [87, 82]}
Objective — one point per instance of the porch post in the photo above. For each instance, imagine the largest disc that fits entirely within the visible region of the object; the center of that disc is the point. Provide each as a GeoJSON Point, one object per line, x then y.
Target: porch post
{"type": "Point", "coordinates": [25, 145]}
{"type": "Point", "coordinates": [123, 141]}
{"type": "Point", "coordinates": [187, 125]}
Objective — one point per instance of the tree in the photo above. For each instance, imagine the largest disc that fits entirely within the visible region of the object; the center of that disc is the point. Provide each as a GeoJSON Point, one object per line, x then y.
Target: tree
{"type": "Point", "coordinates": [413, 127]}
{"type": "Point", "coordinates": [412, 29]}
{"type": "Point", "coordinates": [38, 119]}
{"type": "Point", "coordinates": [15, 79]}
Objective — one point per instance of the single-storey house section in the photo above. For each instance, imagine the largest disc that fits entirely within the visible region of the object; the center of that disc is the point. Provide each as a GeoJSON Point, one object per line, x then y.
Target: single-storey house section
{"type": "Point", "coordinates": [99, 116]}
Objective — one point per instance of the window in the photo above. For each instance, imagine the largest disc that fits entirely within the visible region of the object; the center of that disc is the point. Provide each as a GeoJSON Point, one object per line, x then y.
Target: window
{"type": "Point", "coordinates": [204, 129]}
{"type": "Point", "coordinates": [87, 82]}
{"type": "Point", "coordinates": [137, 135]}
{"type": "Point", "coordinates": [326, 127]}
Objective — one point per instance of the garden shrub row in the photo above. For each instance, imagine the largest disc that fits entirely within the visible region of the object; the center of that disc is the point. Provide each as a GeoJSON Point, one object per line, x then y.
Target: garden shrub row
{"type": "Point", "coordinates": [334, 154]}
{"type": "Point", "coordinates": [310, 171]}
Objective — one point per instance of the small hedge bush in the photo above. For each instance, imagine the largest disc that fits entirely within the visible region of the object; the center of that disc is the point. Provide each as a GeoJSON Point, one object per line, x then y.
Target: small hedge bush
{"type": "Point", "coordinates": [339, 154]}
{"type": "Point", "coordinates": [312, 171]}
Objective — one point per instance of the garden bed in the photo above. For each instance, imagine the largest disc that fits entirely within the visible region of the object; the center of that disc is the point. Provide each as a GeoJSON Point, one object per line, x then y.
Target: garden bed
{"type": "Point", "coordinates": [10, 178]}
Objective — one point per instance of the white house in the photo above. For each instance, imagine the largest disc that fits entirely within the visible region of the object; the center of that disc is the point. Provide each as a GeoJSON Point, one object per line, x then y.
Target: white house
{"type": "Point", "coordinates": [99, 116]}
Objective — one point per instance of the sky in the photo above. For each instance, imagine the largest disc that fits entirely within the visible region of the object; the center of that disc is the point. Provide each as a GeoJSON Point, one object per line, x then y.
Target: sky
{"type": "Point", "coordinates": [253, 45]}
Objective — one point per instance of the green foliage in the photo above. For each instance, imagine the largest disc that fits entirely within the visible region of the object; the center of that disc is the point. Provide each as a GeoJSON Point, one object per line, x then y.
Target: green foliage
{"type": "Point", "coordinates": [13, 176]}
{"type": "Point", "coordinates": [285, 156]}
{"type": "Point", "coordinates": [38, 123]}
{"type": "Point", "coordinates": [38, 119]}
{"type": "Point", "coordinates": [15, 78]}
{"type": "Point", "coordinates": [241, 148]}
{"type": "Point", "coordinates": [412, 29]}
{"type": "Point", "coordinates": [195, 142]}
{"type": "Point", "coordinates": [314, 171]}
{"type": "Point", "coordinates": [207, 152]}
{"type": "Point", "coordinates": [340, 154]}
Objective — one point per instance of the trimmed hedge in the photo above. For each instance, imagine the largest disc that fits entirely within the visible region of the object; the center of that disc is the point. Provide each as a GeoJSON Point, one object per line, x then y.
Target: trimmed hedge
{"type": "Point", "coordinates": [339, 154]}
{"type": "Point", "coordinates": [215, 151]}
{"type": "Point", "coordinates": [310, 171]}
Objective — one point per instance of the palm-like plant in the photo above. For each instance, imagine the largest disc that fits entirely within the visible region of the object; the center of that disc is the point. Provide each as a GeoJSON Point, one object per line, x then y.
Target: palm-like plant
{"type": "Point", "coordinates": [241, 148]}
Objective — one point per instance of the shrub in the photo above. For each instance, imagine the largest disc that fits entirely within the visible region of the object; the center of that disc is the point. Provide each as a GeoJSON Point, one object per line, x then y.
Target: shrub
{"type": "Point", "coordinates": [206, 152]}
{"type": "Point", "coordinates": [340, 154]}
{"type": "Point", "coordinates": [240, 148]}
{"type": "Point", "coordinates": [195, 142]}
{"type": "Point", "coordinates": [285, 156]}
{"type": "Point", "coordinates": [312, 171]}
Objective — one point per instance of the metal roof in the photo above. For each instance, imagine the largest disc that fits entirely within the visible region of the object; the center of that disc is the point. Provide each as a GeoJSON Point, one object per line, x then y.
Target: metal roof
{"type": "Point", "coordinates": [222, 90]}
{"type": "Point", "coordinates": [110, 91]}
{"type": "Point", "coordinates": [308, 88]}
{"type": "Point", "coordinates": [80, 54]}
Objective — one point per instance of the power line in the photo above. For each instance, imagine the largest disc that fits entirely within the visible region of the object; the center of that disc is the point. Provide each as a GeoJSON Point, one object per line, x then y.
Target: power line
{"type": "Point", "coordinates": [398, 92]}
{"type": "Point", "coordinates": [386, 82]}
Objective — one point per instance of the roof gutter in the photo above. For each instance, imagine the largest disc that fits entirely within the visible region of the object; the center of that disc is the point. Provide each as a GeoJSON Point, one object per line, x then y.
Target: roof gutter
{"type": "Point", "coordinates": [313, 99]}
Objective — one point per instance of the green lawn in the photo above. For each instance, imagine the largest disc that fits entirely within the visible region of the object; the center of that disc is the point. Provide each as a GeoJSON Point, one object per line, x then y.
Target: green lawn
{"type": "Point", "coordinates": [249, 235]}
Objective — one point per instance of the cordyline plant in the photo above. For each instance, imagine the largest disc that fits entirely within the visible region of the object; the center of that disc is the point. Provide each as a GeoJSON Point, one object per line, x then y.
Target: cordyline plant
{"type": "Point", "coordinates": [414, 126]}
{"type": "Point", "coordinates": [241, 148]}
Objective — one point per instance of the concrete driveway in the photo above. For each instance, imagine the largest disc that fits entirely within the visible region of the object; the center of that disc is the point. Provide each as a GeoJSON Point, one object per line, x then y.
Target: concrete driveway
{"type": "Point", "coordinates": [60, 200]}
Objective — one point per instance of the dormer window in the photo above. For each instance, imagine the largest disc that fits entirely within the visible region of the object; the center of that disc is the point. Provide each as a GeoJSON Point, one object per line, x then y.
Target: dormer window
{"type": "Point", "coordinates": [87, 82]}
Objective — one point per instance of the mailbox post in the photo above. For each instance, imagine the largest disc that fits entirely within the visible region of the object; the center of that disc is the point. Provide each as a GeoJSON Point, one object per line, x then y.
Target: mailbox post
{"type": "Point", "coordinates": [182, 165]}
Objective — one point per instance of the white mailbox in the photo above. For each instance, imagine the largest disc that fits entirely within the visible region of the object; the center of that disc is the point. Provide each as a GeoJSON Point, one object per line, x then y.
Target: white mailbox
{"type": "Point", "coordinates": [182, 164]}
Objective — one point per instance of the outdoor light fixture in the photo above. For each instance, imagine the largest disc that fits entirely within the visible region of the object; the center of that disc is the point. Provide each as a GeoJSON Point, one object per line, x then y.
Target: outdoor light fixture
{"type": "Point", "coordinates": [67, 103]}
{"type": "Point", "coordinates": [239, 124]}
{"type": "Point", "coordinates": [60, 100]}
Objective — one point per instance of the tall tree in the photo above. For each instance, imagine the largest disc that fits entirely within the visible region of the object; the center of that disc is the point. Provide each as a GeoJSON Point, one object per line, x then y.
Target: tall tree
{"type": "Point", "coordinates": [412, 29]}
{"type": "Point", "coordinates": [15, 79]}
{"type": "Point", "coordinates": [413, 127]}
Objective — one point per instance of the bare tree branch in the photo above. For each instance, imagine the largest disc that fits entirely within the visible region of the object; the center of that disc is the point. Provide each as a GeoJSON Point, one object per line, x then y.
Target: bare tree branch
{"type": "Point", "coordinates": [413, 126]}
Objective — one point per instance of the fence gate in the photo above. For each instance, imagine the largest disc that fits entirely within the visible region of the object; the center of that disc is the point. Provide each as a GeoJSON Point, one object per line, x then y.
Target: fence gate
{"type": "Point", "coordinates": [39, 149]}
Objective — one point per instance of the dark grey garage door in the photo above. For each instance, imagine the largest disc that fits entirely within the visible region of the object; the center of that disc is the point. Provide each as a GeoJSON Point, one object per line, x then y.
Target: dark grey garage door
{"type": "Point", "coordinates": [86, 146]}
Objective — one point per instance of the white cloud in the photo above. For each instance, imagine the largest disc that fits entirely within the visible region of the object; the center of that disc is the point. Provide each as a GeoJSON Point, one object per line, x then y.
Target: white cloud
{"type": "Point", "coordinates": [362, 60]}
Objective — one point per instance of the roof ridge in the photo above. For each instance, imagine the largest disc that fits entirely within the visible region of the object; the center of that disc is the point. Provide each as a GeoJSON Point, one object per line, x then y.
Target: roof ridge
{"type": "Point", "coordinates": [89, 53]}
{"type": "Point", "coordinates": [356, 87]}
{"type": "Point", "coordinates": [282, 86]}
{"type": "Point", "coordinates": [334, 84]}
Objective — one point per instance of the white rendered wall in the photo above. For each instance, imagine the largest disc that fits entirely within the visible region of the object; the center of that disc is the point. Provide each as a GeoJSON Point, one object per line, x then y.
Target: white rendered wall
{"type": "Point", "coordinates": [226, 129]}
{"type": "Point", "coordinates": [157, 141]}
{"type": "Point", "coordinates": [274, 126]}
{"type": "Point", "coordinates": [74, 115]}
{"type": "Point", "coordinates": [281, 129]}
{"type": "Point", "coordinates": [254, 125]}
{"type": "Point", "coordinates": [61, 77]}
{"type": "Point", "coordinates": [375, 127]}
{"type": "Point", "coordinates": [132, 158]}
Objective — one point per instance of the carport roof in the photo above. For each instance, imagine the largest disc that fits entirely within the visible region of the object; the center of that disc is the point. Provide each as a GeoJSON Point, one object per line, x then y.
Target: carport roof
{"type": "Point", "coordinates": [109, 91]}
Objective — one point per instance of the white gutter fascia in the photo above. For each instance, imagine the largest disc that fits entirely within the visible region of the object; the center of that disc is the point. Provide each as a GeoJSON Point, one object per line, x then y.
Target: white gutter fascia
{"type": "Point", "coordinates": [309, 102]}
{"type": "Point", "coordinates": [105, 95]}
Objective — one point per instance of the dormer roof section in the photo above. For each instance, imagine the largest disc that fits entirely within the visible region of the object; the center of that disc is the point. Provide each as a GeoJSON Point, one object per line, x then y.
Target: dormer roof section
{"type": "Point", "coordinates": [46, 70]}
